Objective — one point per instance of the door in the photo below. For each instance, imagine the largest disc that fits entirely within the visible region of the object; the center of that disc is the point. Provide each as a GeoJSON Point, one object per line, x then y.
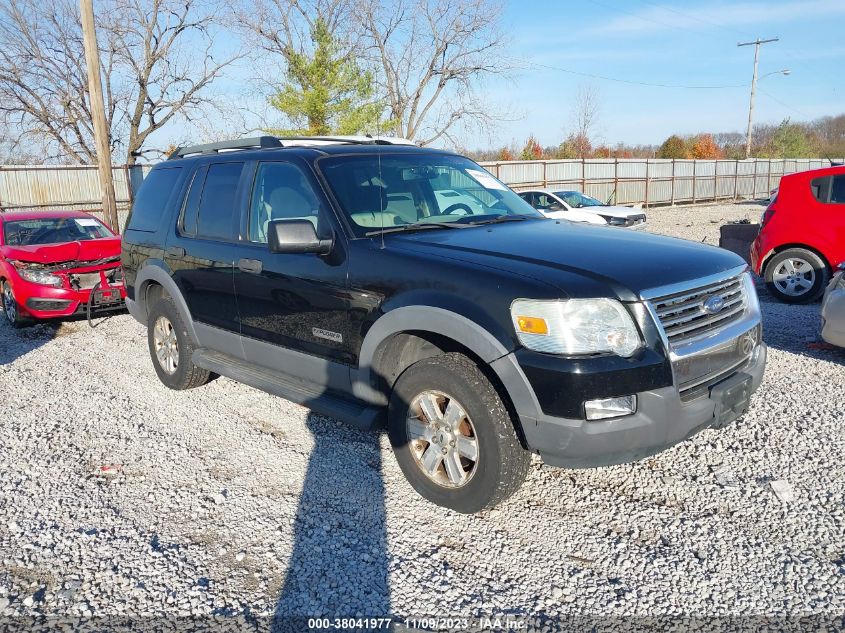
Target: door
{"type": "Point", "coordinates": [203, 251]}
{"type": "Point", "coordinates": [296, 302]}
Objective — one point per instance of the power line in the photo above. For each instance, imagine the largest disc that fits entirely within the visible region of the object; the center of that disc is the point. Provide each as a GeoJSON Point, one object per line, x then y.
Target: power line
{"type": "Point", "coordinates": [785, 105]}
{"type": "Point", "coordinates": [637, 83]}
{"type": "Point", "coordinates": [696, 18]}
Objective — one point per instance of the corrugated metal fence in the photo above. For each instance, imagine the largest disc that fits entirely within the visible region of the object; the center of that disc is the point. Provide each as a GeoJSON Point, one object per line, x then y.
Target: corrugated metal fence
{"type": "Point", "coordinates": [28, 187]}
{"type": "Point", "coordinates": [625, 181]}
{"type": "Point", "coordinates": [654, 180]}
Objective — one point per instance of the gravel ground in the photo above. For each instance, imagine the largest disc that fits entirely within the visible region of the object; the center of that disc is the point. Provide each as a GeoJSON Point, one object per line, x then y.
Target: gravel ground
{"type": "Point", "coordinates": [119, 497]}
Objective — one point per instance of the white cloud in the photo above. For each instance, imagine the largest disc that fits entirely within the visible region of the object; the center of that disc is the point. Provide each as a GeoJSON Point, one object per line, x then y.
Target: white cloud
{"type": "Point", "coordinates": [657, 18]}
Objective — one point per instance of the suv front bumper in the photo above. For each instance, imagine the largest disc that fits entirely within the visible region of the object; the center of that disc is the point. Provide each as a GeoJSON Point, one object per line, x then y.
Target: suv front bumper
{"type": "Point", "coordinates": [661, 421]}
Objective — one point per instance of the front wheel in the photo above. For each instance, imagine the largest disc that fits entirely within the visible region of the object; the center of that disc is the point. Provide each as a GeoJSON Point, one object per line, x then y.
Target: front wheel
{"type": "Point", "coordinates": [453, 437]}
{"type": "Point", "coordinates": [10, 307]}
{"type": "Point", "coordinates": [796, 275]}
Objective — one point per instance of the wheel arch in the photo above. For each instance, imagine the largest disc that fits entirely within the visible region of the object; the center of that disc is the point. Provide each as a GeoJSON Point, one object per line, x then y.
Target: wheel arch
{"type": "Point", "coordinates": [154, 275]}
{"type": "Point", "coordinates": [412, 333]}
{"type": "Point", "coordinates": [784, 247]}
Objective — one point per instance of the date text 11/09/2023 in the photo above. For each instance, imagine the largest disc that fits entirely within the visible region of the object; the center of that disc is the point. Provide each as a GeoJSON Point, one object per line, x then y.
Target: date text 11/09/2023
{"type": "Point", "coordinates": [417, 624]}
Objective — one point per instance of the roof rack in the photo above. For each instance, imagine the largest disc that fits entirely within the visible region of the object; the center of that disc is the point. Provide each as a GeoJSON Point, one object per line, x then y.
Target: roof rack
{"type": "Point", "coordinates": [262, 142]}
{"type": "Point", "coordinates": [213, 148]}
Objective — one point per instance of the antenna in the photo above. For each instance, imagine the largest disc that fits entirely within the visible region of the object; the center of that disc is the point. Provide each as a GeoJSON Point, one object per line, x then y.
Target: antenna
{"type": "Point", "coordinates": [380, 205]}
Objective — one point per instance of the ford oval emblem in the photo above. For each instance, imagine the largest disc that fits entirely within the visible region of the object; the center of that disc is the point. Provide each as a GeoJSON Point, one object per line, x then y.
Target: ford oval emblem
{"type": "Point", "coordinates": [713, 305]}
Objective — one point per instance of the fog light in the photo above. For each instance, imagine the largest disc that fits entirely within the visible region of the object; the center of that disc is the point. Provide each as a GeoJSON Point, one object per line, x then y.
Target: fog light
{"type": "Point", "coordinates": [610, 407]}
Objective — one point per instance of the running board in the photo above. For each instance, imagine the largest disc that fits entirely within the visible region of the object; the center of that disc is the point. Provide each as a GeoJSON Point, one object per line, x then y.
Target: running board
{"type": "Point", "coordinates": [354, 413]}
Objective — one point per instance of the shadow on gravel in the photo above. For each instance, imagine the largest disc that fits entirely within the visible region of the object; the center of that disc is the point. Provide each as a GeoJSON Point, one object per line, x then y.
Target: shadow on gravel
{"type": "Point", "coordinates": [339, 566]}
{"type": "Point", "coordinates": [15, 343]}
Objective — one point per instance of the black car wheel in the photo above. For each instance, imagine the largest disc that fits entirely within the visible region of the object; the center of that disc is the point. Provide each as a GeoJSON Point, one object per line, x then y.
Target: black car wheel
{"type": "Point", "coordinates": [796, 275]}
{"type": "Point", "coordinates": [453, 436]}
{"type": "Point", "coordinates": [9, 304]}
{"type": "Point", "coordinates": [171, 348]}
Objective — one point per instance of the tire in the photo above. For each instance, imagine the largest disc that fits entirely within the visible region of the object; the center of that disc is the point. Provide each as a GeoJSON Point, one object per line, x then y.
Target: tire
{"type": "Point", "coordinates": [796, 275]}
{"type": "Point", "coordinates": [437, 461]}
{"type": "Point", "coordinates": [166, 332]}
{"type": "Point", "coordinates": [10, 306]}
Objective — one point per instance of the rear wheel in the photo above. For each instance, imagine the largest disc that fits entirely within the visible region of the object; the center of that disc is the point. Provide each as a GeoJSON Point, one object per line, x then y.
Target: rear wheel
{"type": "Point", "coordinates": [9, 304]}
{"type": "Point", "coordinates": [796, 275]}
{"type": "Point", "coordinates": [453, 436]}
{"type": "Point", "coordinates": [171, 348]}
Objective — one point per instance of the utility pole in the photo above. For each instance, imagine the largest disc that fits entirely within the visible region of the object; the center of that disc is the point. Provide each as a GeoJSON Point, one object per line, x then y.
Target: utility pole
{"type": "Point", "coordinates": [756, 44]}
{"type": "Point", "coordinates": [98, 112]}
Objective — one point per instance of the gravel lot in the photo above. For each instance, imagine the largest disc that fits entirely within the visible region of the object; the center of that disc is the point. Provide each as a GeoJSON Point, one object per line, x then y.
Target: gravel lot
{"type": "Point", "coordinates": [120, 497]}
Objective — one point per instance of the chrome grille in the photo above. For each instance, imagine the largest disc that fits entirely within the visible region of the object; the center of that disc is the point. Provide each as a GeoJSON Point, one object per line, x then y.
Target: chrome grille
{"type": "Point", "coordinates": [684, 317]}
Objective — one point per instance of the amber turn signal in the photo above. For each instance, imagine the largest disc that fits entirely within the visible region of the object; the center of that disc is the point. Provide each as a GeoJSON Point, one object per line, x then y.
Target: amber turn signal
{"type": "Point", "coordinates": [532, 325]}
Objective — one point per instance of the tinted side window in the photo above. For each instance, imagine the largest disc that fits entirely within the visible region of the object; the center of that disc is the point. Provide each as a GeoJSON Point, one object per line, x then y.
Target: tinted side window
{"type": "Point", "coordinates": [282, 192]}
{"type": "Point", "coordinates": [152, 199]}
{"type": "Point", "coordinates": [216, 215]}
{"type": "Point", "coordinates": [188, 225]}
{"type": "Point", "coordinates": [820, 188]}
{"type": "Point", "coordinates": [837, 191]}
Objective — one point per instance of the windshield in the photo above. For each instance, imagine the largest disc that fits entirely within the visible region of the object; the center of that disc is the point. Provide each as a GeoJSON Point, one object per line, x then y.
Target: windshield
{"type": "Point", "coordinates": [53, 231]}
{"type": "Point", "coordinates": [577, 200]}
{"type": "Point", "coordinates": [393, 191]}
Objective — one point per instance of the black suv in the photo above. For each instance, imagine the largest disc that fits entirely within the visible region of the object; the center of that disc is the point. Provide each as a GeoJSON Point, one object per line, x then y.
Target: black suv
{"type": "Point", "coordinates": [375, 281]}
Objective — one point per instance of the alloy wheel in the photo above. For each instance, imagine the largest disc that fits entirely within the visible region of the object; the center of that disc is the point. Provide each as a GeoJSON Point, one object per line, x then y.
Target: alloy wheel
{"type": "Point", "coordinates": [442, 439]}
{"type": "Point", "coordinates": [794, 277]}
{"type": "Point", "coordinates": [10, 308]}
{"type": "Point", "coordinates": [166, 345]}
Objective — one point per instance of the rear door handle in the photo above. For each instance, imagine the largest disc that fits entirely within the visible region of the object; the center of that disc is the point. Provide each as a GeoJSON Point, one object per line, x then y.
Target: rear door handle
{"type": "Point", "coordinates": [175, 251]}
{"type": "Point", "coordinates": [253, 266]}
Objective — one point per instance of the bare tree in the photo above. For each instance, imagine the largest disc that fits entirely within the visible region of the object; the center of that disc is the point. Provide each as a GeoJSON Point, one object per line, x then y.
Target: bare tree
{"type": "Point", "coordinates": [157, 61]}
{"type": "Point", "coordinates": [585, 110]}
{"type": "Point", "coordinates": [432, 56]}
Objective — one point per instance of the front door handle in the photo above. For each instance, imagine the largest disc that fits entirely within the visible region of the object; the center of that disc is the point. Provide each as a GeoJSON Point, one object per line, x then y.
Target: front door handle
{"type": "Point", "coordinates": [253, 266]}
{"type": "Point", "coordinates": [175, 251]}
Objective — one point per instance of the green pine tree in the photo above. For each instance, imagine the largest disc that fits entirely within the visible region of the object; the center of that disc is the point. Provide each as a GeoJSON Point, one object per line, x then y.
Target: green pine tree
{"type": "Point", "coordinates": [326, 92]}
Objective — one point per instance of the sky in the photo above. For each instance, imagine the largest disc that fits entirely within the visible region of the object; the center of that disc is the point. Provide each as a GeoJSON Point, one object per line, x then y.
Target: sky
{"type": "Point", "coordinates": [614, 46]}
{"type": "Point", "coordinates": [691, 43]}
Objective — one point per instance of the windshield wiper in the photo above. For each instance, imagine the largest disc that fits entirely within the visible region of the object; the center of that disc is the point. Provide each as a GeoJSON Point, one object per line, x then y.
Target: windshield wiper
{"type": "Point", "coordinates": [416, 227]}
{"type": "Point", "coordinates": [501, 218]}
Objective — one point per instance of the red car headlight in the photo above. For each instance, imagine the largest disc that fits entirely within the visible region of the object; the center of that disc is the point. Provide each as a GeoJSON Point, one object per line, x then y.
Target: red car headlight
{"type": "Point", "coordinates": [41, 277]}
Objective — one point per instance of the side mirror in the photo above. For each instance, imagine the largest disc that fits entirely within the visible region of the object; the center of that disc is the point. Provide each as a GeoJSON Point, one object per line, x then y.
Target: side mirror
{"type": "Point", "coordinates": [554, 206]}
{"type": "Point", "coordinates": [296, 236]}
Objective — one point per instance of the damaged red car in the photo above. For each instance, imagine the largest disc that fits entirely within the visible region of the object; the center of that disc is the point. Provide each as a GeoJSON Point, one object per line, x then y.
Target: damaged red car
{"type": "Point", "coordinates": [57, 264]}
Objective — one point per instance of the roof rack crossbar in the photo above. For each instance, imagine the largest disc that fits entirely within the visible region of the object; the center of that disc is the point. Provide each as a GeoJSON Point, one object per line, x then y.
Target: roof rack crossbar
{"type": "Point", "coordinates": [211, 148]}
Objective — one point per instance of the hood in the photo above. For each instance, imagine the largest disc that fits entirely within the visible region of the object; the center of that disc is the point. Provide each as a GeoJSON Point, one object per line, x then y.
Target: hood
{"type": "Point", "coordinates": [87, 250]}
{"type": "Point", "coordinates": [619, 212]}
{"type": "Point", "coordinates": [626, 262]}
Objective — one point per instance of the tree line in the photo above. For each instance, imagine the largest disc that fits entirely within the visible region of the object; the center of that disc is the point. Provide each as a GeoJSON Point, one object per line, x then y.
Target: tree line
{"type": "Point", "coordinates": [823, 137]}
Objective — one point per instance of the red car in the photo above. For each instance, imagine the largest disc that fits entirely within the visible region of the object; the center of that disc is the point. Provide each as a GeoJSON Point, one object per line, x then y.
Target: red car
{"type": "Point", "coordinates": [53, 264]}
{"type": "Point", "coordinates": [802, 237]}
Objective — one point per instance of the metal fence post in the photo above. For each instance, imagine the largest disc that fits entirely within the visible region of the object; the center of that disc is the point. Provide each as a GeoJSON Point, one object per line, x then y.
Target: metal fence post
{"type": "Point", "coordinates": [672, 181]}
{"type": "Point", "coordinates": [583, 176]}
{"type": "Point", "coordinates": [736, 178]}
{"type": "Point", "coordinates": [769, 177]}
{"type": "Point", "coordinates": [545, 180]}
{"type": "Point", "coordinates": [754, 188]}
{"type": "Point", "coordinates": [646, 181]}
{"type": "Point", "coordinates": [694, 170]}
{"type": "Point", "coordinates": [615, 179]}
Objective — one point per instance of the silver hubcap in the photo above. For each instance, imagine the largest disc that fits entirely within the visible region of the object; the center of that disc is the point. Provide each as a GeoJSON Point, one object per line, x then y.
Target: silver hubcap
{"type": "Point", "coordinates": [443, 440]}
{"type": "Point", "coordinates": [794, 277]}
{"type": "Point", "coordinates": [9, 306]}
{"type": "Point", "coordinates": [166, 345]}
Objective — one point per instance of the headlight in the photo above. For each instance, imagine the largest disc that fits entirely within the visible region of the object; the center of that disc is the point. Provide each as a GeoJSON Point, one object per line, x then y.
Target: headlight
{"type": "Point", "coordinates": [40, 277]}
{"type": "Point", "coordinates": [614, 220]}
{"type": "Point", "coordinates": [575, 326]}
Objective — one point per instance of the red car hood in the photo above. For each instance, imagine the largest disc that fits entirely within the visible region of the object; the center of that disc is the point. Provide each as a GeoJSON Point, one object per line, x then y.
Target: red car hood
{"type": "Point", "coordinates": [84, 251]}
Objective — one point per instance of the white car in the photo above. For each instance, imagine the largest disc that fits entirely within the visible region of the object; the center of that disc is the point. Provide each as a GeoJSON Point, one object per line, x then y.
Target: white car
{"type": "Point", "coordinates": [578, 207]}
{"type": "Point", "coordinates": [833, 309]}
